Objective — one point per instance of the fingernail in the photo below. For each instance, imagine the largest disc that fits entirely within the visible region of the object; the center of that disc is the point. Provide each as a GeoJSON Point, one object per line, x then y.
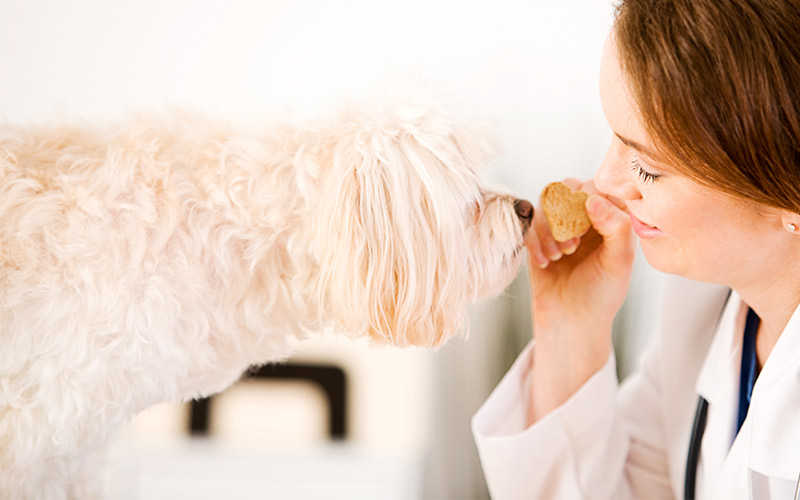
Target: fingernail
{"type": "Point", "coordinates": [553, 251]}
{"type": "Point", "coordinates": [541, 261]}
{"type": "Point", "coordinates": [570, 249]}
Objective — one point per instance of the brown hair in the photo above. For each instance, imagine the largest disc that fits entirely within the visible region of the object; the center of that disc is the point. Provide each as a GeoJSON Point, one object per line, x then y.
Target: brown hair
{"type": "Point", "coordinates": [718, 85]}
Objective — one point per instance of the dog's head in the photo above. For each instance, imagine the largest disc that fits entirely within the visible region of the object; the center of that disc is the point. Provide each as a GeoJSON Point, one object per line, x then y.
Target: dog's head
{"type": "Point", "coordinates": [408, 234]}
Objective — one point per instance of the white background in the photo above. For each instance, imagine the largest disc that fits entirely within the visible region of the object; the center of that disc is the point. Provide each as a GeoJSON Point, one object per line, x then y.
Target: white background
{"type": "Point", "coordinates": [529, 67]}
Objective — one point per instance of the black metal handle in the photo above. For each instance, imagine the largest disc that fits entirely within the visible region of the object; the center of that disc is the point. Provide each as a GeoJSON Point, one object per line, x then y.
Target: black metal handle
{"type": "Point", "coordinates": [331, 379]}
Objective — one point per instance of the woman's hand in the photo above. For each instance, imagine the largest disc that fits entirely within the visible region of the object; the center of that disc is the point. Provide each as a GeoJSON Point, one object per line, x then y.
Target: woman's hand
{"type": "Point", "coordinates": [577, 287]}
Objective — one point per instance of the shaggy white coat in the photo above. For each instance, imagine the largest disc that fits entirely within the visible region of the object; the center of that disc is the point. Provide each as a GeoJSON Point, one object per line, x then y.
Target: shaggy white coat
{"type": "Point", "coordinates": [158, 259]}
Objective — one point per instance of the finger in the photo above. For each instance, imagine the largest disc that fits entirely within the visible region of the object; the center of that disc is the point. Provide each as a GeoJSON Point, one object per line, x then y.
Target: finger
{"type": "Point", "coordinates": [589, 187]}
{"type": "Point", "coordinates": [549, 245]}
{"type": "Point", "coordinates": [613, 224]}
{"type": "Point", "coordinates": [619, 203]}
{"type": "Point", "coordinates": [536, 255]}
{"type": "Point", "coordinates": [573, 183]}
{"type": "Point", "coordinates": [570, 246]}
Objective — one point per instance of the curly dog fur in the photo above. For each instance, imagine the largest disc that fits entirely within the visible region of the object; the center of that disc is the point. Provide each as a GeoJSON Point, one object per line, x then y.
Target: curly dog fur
{"type": "Point", "coordinates": [157, 259]}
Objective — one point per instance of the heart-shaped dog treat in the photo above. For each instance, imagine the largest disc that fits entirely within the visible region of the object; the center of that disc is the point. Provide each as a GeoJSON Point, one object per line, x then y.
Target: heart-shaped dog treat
{"type": "Point", "coordinates": [565, 211]}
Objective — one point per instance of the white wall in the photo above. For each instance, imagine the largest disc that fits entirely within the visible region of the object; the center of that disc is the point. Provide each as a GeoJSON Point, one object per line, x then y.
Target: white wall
{"type": "Point", "coordinates": [529, 67]}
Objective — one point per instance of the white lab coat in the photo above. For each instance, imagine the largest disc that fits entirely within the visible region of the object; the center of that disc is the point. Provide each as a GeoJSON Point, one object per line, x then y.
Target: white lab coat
{"type": "Point", "coordinates": [631, 441]}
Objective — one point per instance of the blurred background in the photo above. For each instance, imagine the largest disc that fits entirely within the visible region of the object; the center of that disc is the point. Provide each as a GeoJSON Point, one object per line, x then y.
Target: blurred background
{"type": "Point", "coordinates": [528, 68]}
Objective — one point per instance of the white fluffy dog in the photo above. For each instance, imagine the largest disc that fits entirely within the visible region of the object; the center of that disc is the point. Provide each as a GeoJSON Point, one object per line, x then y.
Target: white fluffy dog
{"type": "Point", "coordinates": [157, 260]}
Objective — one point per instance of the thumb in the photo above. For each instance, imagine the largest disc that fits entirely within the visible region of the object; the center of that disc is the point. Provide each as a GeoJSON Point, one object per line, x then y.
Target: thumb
{"type": "Point", "coordinates": [613, 224]}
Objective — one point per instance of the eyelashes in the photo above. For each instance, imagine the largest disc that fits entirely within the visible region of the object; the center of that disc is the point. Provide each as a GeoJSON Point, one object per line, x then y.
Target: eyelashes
{"type": "Point", "coordinates": [644, 175]}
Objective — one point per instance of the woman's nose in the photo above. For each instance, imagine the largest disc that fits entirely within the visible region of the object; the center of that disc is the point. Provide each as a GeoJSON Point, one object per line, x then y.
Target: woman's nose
{"type": "Point", "coordinates": [613, 176]}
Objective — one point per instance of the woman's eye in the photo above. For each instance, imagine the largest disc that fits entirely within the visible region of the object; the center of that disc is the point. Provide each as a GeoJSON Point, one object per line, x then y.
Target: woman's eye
{"type": "Point", "coordinates": [644, 175]}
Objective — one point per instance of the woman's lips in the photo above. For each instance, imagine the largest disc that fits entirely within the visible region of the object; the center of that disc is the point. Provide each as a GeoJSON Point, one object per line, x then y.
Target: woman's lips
{"type": "Point", "coordinates": [643, 230]}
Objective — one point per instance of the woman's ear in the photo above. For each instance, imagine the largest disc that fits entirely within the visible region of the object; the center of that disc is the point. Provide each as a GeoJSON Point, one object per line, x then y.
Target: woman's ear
{"type": "Point", "coordinates": [790, 222]}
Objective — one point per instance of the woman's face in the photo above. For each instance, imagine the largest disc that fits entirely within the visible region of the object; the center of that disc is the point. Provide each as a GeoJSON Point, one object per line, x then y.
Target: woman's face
{"type": "Point", "coordinates": [684, 227]}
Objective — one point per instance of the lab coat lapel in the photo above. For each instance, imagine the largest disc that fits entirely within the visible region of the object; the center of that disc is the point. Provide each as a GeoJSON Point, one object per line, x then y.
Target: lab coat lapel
{"type": "Point", "coordinates": [764, 460]}
{"type": "Point", "coordinates": [718, 384]}
{"type": "Point", "coordinates": [774, 415]}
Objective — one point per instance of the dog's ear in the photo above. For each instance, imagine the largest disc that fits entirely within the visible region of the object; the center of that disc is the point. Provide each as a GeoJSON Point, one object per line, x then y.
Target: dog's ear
{"type": "Point", "coordinates": [392, 220]}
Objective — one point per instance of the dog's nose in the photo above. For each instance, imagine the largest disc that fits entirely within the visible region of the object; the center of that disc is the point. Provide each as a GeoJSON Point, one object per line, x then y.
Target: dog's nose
{"type": "Point", "coordinates": [524, 209]}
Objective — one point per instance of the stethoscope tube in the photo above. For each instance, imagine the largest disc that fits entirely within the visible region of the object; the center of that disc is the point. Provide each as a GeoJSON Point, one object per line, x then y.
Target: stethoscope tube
{"type": "Point", "coordinates": [698, 428]}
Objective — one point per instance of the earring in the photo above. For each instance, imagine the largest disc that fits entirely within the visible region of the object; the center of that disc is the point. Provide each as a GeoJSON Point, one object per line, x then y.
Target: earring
{"type": "Point", "coordinates": [791, 227]}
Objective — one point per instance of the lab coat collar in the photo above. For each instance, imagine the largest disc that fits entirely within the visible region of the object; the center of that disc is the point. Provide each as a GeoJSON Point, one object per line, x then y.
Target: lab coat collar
{"type": "Point", "coordinates": [718, 383]}
{"type": "Point", "coordinates": [774, 413]}
{"type": "Point", "coordinates": [767, 447]}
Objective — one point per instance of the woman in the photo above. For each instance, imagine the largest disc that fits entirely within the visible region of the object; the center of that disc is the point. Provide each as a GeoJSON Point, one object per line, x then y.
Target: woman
{"type": "Point", "coordinates": [703, 99]}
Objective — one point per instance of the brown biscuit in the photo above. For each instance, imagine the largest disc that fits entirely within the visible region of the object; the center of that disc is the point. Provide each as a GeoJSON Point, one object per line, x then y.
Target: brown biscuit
{"type": "Point", "coordinates": [565, 211]}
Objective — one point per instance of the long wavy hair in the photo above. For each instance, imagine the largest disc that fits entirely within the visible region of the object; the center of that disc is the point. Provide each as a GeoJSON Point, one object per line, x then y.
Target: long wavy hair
{"type": "Point", "coordinates": [717, 83]}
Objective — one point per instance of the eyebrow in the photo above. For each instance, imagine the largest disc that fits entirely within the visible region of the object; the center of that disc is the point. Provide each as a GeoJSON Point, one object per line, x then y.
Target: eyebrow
{"type": "Point", "coordinates": [638, 147]}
